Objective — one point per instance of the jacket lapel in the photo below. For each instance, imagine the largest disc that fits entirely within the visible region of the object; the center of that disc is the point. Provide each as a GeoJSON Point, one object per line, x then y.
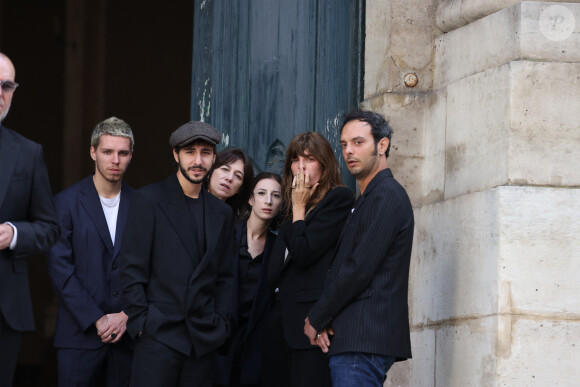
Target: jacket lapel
{"type": "Point", "coordinates": [126, 193]}
{"type": "Point", "coordinates": [92, 204]}
{"type": "Point", "coordinates": [281, 265]}
{"type": "Point", "coordinates": [175, 207]}
{"type": "Point", "coordinates": [346, 226]}
{"type": "Point", "coordinates": [212, 224]}
{"type": "Point", "coordinates": [9, 150]}
{"type": "Point", "coordinates": [358, 204]}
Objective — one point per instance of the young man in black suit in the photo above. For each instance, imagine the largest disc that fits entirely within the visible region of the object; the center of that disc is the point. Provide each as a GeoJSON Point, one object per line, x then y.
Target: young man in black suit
{"type": "Point", "coordinates": [177, 268]}
{"type": "Point", "coordinates": [83, 266]}
{"type": "Point", "coordinates": [28, 225]}
{"type": "Point", "coordinates": [364, 305]}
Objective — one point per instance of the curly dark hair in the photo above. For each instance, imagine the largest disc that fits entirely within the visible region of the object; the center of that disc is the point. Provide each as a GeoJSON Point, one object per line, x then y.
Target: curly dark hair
{"type": "Point", "coordinates": [380, 127]}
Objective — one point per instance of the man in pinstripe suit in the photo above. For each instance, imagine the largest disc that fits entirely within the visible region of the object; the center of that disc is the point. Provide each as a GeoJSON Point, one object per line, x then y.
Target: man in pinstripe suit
{"type": "Point", "coordinates": [362, 319]}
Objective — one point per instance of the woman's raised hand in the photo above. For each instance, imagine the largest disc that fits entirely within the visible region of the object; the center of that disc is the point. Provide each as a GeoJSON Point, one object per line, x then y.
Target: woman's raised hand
{"type": "Point", "coordinates": [301, 193]}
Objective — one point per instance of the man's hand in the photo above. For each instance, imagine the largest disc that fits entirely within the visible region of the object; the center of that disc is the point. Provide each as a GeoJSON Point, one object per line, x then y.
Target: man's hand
{"type": "Point", "coordinates": [321, 339]}
{"type": "Point", "coordinates": [111, 327]}
{"type": "Point", "coordinates": [6, 235]}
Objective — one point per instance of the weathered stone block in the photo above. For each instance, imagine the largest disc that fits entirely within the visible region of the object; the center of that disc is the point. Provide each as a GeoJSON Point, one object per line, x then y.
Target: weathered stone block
{"type": "Point", "coordinates": [507, 351]}
{"type": "Point", "coordinates": [477, 132]}
{"type": "Point", "coordinates": [378, 70]}
{"type": "Point", "coordinates": [549, 31]}
{"type": "Point", "coordinates": [544, 123]}
{"type": "Point", "coordinates": [466, 353]}
{"type": "Point", "coordinates": [505, 250]}
{"type": "Point", "coordinates": [434, 148]}
{"type": "Point", "coordinates": [457, 13]}
{"type": "Point", "coordinates": [539, 255]}
{"type": "Point", "coordinates": [542, 352]}
{"type": "Point", "coordinates": [476, 47]}
{"type": "Point", "coordinates": [515, 124]}
{"type": "Point", "coordinates": [527, 30]}
{"type": "Point", "coordinates": [454, 272]}
{"type": "Point", "coordinates": [495, 274]}
{"type": "Point", "coordinates": [399, 40]}
{"type": "Point", "coordinates": [420, 370]}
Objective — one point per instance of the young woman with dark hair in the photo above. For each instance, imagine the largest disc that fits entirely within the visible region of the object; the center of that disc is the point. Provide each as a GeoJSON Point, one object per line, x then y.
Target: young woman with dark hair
{"type": "Point", "coordinates": [239, 364]}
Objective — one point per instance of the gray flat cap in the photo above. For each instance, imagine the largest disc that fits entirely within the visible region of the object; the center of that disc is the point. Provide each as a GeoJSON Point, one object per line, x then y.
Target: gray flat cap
{"type": "Point", "coordinates": [194, 130]}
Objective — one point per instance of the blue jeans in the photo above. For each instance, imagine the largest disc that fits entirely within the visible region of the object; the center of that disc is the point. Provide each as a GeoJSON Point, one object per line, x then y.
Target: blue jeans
{"type": "Point", "coordinates": [358, 369]}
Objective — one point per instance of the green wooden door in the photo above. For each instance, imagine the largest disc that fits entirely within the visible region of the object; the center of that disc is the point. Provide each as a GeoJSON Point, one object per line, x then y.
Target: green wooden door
{"type": "Point", "coordinates": [265, 70]}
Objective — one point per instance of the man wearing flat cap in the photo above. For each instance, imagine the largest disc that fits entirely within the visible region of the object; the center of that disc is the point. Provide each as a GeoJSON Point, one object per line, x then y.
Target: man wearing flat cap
{"type": "Point", "coordinates": [177, 268]}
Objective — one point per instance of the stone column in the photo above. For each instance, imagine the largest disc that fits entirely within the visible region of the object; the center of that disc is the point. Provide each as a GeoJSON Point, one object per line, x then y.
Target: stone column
{"type": "Point", "coordinates": [488, 145]}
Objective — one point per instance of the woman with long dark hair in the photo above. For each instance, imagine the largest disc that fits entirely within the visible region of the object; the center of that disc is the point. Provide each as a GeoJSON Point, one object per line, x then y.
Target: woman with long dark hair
{"type": "Point", "coordinates": [241, 363]}
{"type": "Point", "coordinates": [230, 178]}
{"type": "Point", "coordinates": [317, 205]}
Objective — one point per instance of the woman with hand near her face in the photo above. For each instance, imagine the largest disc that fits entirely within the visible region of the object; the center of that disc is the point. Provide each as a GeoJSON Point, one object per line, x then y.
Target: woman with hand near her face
{"type": "Point", "coordinates": [317, 207]}
{"type": "Point", "coordinates": [241, 365]}
{"type": "Point", "coordinates": [230, 177]}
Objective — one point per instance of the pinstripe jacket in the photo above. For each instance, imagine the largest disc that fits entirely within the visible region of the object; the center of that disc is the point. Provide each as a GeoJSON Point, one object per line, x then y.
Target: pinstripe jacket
{"type": "Point", "coordinates": [365, 296]}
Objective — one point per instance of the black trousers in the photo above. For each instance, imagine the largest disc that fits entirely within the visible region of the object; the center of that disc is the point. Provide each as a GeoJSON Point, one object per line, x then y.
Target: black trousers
{"type": "Point", "coordinates": [157, 365]}
{"type": "Point", "coordinates": [109, 365]}
{"type": "Point", "coordinates": [9, 346]}
{"type": "Point", "coordinates": [283, 366]}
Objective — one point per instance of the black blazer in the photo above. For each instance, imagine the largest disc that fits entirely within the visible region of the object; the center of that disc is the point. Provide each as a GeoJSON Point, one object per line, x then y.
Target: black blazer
{"type": "Point", "coordinates": [299, 281]}
{"type": "Point", "coordinates": [365, 299]}
{"type": "Point", "coordinates": [249, 345]}
{"type": "Point", "coordinates": [25, 201]}
{"type": "Point", "coordinates": [180, 297]}
{"type": "Point", "coordinates": [83, 265]}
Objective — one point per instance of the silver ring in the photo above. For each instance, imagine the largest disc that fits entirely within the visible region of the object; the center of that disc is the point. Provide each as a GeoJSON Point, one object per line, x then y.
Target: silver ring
{"type": "Point", "coordinates": [317, 335]}
{"type": "Point", "coordinates": [113, 335]}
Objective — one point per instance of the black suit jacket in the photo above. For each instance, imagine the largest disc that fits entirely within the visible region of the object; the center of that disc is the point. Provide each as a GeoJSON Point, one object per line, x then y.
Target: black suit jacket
{"type": "Point", "coordinates": [365, 299]}
{"type": "Point", "coordinates": [26, 202]}
{"type": "Point", "coordinates": [179, 297]}
{"type": "Point", "coordinates": [299, 281]}
{"type": "Point", "coordinates": [83, 265]}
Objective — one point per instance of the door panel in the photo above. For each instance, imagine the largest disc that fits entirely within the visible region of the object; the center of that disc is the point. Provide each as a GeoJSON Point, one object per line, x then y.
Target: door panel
{"type": "Point", "coordinates": [265, 70]}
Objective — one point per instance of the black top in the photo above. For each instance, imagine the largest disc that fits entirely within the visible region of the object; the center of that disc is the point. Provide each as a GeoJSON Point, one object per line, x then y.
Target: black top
{"type": "Point", "coordinates": [196, 210]}
{"type": "Point", "coordinates": [249, 271]}
{"type": "Point", "coordinates": [249, 313]}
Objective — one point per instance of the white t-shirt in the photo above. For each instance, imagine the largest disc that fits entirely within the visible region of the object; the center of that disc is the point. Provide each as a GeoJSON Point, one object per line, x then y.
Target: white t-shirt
{"type": "Point", "coordinates": [111, 210]}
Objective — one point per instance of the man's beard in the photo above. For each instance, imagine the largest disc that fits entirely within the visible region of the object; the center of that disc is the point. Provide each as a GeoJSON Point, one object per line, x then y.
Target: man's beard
{"type": "Point", "coordinates": [191, 180]}
{"type": "Point", "coordinates": [110, 180]}
{"type": "Point", "coordinates": [366, 170]}
{"type": "Point", "coordinates": [3, 115]}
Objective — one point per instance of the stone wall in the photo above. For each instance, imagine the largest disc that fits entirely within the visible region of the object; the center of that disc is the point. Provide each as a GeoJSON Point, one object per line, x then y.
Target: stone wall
{"type": "Point", "coordinates": [488, 146]}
